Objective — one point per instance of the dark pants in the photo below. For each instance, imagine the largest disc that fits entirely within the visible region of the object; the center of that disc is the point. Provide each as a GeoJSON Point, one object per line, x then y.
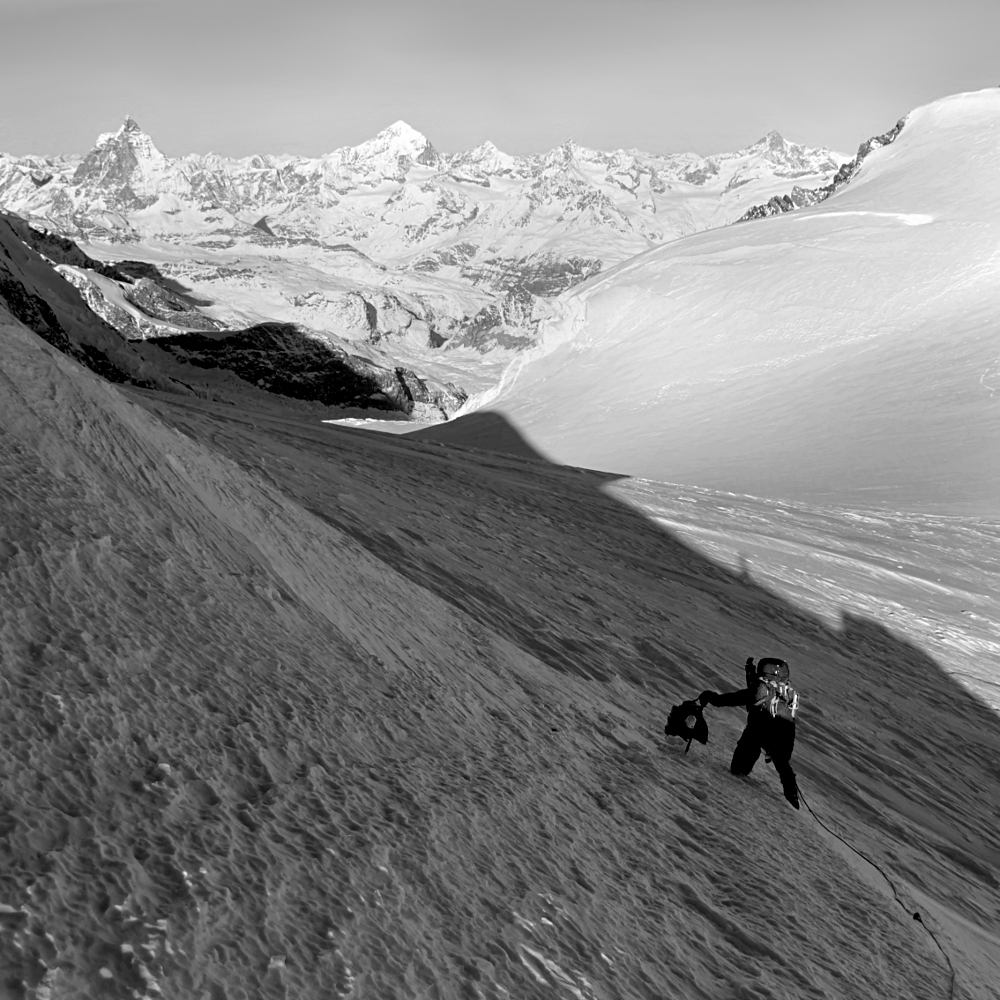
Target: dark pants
{"type": "Point", "coordinates": [776, 737]}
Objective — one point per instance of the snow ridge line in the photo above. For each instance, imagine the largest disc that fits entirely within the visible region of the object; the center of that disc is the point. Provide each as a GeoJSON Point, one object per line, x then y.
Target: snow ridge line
{"type": "Point", "coordinates": [567, 319]}
{"type": "Point", "coordinates": [915, 914]}
{"type": "Point", "coordinates": [805, 197]}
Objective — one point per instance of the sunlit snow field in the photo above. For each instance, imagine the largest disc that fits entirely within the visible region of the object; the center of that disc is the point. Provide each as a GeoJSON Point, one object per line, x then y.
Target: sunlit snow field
{"type": "Point", "coordinates": [846, 353]}
{"type": "Point", "coordinates": [931, 579]}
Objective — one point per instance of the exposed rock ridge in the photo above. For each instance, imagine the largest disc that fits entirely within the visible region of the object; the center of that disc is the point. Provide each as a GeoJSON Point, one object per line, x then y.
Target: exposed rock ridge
{"type": "Point", "coordinates": [35, 294]}
{"type": "Point", "coordinates": [804, 197]}
{"type": "Point", "coordinates": [91, 312]}
{"type": "Point", "coordinates": [279, 358]}
{"type": "Point", "coordinates": [60, 249]}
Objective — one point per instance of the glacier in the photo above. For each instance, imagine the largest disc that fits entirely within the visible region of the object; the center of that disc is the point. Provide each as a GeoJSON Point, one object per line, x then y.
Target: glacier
{"type": "Point", "coordinates": [845, 352]}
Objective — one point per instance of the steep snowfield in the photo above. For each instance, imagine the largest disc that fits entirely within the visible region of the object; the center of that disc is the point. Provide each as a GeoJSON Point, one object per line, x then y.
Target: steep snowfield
{"type": "Point", "coordinates": [846, 352]}
{"type": "Point", "coordinates": [293, 711]}
{"type": "Point", "coordinates": [935, 580]}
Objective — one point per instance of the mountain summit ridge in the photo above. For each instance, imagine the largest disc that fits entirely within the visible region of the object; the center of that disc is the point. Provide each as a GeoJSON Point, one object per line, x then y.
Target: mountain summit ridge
{"type": "Point", "coordinates": [404, 133]}
{"type": "Point", "coordinates": [125, 173]}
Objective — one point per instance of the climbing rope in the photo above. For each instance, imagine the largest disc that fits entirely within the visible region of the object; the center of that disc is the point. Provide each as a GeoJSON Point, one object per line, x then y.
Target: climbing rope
{"type": "Point", "coordinates": [916, 915]}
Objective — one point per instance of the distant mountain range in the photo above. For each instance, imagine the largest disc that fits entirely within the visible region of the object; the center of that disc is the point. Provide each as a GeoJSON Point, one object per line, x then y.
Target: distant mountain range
{"type": "Point", "coordinates": [402, 202]}
{"type": "Point", "coordinates": [389, 250]}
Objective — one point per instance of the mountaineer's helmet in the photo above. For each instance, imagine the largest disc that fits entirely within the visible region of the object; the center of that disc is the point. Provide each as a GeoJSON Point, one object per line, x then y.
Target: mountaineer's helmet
{"type": "Point", "coordinates": [773, 669]}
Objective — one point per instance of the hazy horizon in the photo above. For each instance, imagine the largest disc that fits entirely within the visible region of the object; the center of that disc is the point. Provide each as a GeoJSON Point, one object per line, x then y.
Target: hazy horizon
{"type": "Point", "coordinates": [242, 77]}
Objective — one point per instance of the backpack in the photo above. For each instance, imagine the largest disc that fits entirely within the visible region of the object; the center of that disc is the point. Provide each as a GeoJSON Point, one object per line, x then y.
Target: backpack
{"type": "Point", "coordinates": [773, 694]}
{"type": "Point", "coordinates": [687, 722]}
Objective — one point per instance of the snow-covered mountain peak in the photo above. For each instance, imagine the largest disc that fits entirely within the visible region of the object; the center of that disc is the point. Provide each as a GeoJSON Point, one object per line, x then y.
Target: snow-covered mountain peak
{"type": "Point", "coordinates": [392, 145]}
{"type": "Point", "coordinates": [131, 135]}
{"type": "Point", "coordinates": [572, 150]}
{"type": "Point", "coordinates": [485, 152]}
{"type": "Point", "coordinates": [486, 160]}
{"type": "Point", "coordinates": [496, 223]}
{"type": "Point", "coordinates": [125, 166]}
{"type": "Point", "coordinates": [404, 131]}
{"type": "Point", "coordinates": [565, 154]}
{"type": "Point", "coordinates": [775, 141]}
{"type": "Point", "coordinates": [772, 146]}
{"type": "Point", "coordinates": [780, 157]}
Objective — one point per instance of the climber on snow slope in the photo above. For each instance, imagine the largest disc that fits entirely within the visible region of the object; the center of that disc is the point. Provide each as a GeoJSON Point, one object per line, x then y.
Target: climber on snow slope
{"type": "Point", "coordinates": [771, 703]}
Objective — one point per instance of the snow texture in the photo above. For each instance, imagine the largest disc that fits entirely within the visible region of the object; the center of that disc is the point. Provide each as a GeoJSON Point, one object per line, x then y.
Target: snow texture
{"type": "Point", "coordinates": [307, 712]}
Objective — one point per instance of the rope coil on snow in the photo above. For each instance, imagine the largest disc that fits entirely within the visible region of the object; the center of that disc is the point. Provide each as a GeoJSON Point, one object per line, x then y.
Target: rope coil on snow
{"type": "Point", "coordinates": [916, 916]}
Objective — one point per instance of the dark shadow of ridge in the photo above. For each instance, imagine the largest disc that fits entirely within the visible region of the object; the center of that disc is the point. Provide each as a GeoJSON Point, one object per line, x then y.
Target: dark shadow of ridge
{"type": "Point", "coordinates": [484, 430]}
{"type": "Point", "coordinates": [542, 556]}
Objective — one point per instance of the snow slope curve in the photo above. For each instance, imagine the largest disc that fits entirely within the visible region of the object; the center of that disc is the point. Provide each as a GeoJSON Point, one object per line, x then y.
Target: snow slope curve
{"type": "Point", "coordinates": [845, 352]}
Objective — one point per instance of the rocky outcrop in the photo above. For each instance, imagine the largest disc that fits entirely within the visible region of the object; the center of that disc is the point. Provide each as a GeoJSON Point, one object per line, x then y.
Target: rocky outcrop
{"type": "Point", "coordinates": [59, 249]}
{"type": "Point", "coordinates": [543, 275]}
{"type": "Point", "coordinates": [91, 312]}
{"type": "Point", "coordinates": [40, 298]}
{"type": "Point", "coordinates": [163, 304]}
{"type": "Point", "coordinates": [431, 399]}
{"type": "Point", "coordinates": [803, 197]}
{"type": "Point", "coordinates": [280, 358]}
{"type": "Point", "coordinates": [138, 308]}
{"type": "Point", "coordinates": [138, 312]}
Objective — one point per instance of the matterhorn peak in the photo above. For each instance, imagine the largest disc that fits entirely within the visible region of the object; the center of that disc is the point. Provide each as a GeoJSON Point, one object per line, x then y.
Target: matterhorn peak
{"type": "Point", "coordinates": [131, 134]}
{"type": "Point", "coordinates": [119, 156]}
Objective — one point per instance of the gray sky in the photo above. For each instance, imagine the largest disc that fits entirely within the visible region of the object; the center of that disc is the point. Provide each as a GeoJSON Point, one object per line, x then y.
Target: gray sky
{"type": "Point", "coordinates": [307, 76]}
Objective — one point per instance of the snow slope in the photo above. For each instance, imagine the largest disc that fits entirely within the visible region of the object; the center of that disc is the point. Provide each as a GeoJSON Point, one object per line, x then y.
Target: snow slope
{"type": "Point", "coordinates": [294, 711]}
{"type": "Point", "coordinates": [844, 352]}
{"type": "Point", "coordinates": [934, 580]}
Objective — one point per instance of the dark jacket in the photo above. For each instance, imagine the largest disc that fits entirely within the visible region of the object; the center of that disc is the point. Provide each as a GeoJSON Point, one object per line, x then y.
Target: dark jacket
{"type": "Point", "coordinates": [770, 702]}
{"type": "Point", "coordinates": [758, 695]}
{"type": "Point", "coordinates": [731, 699]}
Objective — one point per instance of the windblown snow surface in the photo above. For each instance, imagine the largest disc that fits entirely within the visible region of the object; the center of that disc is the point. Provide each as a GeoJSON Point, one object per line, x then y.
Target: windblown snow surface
{"type": "Point", "coordinates": [292, 710]}
{"type": "Point", "coordinates": [847, 352]}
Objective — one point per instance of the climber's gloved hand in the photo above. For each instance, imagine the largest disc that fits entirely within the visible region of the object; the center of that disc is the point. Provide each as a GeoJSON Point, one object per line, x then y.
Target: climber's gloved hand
{"type": "Point", "coordinates": [705, 697]}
